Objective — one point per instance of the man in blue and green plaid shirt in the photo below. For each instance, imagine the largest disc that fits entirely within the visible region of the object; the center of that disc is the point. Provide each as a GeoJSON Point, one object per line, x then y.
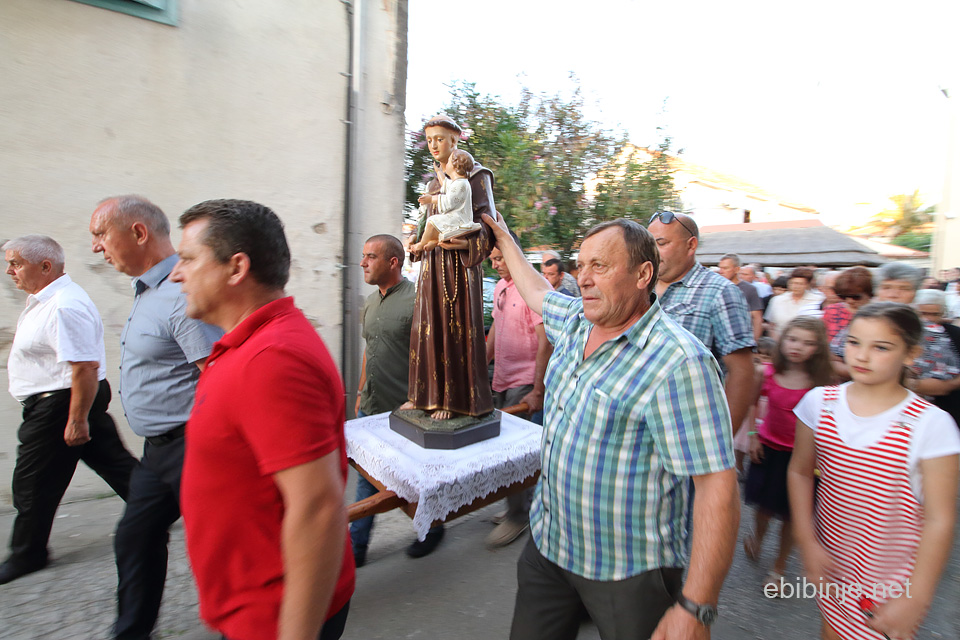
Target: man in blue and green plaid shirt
{"type": "Point", "coordinates": [634, 406]}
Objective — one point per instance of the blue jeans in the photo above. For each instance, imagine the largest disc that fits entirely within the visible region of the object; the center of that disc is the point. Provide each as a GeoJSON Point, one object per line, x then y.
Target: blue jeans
{"type": "Point", "coordinates": [360, 529]}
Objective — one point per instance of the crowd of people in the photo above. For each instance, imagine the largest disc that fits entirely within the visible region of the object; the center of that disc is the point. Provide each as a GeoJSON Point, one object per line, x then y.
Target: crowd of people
{"type": "Point", "coordinates": [845, 444]}
{"type": "Point", "coordinates": [648, 371]}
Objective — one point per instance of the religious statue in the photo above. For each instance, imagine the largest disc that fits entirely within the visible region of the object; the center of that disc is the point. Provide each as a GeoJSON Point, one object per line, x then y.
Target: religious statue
{"type": "Point", "coordinates": [448, 363]}
{"type": "Point", "coordinates": [454, 203]}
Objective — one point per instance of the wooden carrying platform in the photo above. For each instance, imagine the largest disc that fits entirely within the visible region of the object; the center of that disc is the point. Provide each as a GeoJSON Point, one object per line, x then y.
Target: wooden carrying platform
{"type": "Point", "coordinates": [385, 500]}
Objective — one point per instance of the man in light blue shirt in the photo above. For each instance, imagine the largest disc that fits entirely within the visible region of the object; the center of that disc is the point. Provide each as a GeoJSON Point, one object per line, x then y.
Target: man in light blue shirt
{"type": "Point", "coordinates": [162, 354]}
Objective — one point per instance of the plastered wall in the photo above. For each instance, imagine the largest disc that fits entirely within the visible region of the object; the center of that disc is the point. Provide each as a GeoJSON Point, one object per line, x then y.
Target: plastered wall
{"type": "Point", "coordinates": [244, 99]}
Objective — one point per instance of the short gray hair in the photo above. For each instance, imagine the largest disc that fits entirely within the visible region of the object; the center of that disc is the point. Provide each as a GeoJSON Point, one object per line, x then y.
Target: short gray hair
{"type": "Point", "coordinates": [931, 296]}
{"type": "Point", "coordinates": [133, 208]}
{"type": "Point", "coordinates": [823, 274]}
{"type": "Point", "coordinates": [901, 271]}
{"type": "Point", "coordinates": [35, 248]}
{"type": "Point", "coordinates": [730, 256]}
{"type": "Point", "coordinates": [549, 252]}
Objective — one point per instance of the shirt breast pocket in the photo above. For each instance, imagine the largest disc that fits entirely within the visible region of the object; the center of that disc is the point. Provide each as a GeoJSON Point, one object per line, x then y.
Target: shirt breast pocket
{"type": "Point", "coordinates": [602, 412]}
{"type": "Point", "coordinates": [398, 329]}
{"type": "Point", "coordinates": [688, 314]}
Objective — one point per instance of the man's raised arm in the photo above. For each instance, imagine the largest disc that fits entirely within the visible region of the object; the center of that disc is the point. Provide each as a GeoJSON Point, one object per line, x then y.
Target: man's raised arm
{"type": "Point", "coordinates": [531, 285]}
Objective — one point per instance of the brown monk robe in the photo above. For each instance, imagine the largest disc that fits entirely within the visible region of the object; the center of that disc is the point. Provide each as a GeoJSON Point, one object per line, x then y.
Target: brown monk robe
{"type": "Point", "coordinates": [448, 356]}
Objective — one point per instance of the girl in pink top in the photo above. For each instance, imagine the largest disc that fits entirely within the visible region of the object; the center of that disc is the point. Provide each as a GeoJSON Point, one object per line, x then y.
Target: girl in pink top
{"type": "Point", "coordinates": [801, 362]}
{"type": "Point", "coordinates": [879, 533]}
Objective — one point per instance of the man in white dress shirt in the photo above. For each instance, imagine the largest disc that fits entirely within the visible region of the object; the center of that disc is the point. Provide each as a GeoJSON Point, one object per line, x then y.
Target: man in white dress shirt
{"type": "Point", "coordinates": [57, 370]}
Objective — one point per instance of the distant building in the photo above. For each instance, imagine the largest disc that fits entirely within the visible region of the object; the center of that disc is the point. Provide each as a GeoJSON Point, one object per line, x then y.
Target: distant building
{"type": "Point", "coordinates": [716, 198]}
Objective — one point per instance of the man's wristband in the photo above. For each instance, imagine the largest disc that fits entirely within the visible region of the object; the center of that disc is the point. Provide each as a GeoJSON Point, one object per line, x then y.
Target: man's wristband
{"type": "Point", "coordinates": [706, 614]}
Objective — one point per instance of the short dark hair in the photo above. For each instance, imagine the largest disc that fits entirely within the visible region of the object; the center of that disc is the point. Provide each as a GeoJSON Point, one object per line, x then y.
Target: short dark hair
{"type": "Point", "coordinates": [641, 247]}
{"type": "Point", "coordinates": [241, 226]}
{"type": "Point", "coordinates": [855, 281]}
{"type": "Point", "coordinates": [802, 272]}
{"type": "Point", "coordinates": [392, 247]}
{"type": "Point", "coordinates": [553, 262]}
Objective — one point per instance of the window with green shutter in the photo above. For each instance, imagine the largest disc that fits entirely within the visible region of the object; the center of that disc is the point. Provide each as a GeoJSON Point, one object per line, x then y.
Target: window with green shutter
{"type": "Point", "coordinates": [164, 11]}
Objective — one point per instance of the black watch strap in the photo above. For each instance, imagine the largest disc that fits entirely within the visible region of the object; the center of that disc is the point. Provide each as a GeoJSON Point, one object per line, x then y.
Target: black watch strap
{"type": "Point", "coordinates": [706, 614]}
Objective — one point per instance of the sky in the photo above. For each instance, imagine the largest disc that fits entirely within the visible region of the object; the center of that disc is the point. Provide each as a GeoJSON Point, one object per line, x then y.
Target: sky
{"type": "Point", "coordinates": [835, 105]}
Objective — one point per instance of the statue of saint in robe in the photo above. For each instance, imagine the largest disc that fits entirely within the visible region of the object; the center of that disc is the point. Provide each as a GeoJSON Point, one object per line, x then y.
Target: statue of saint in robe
{"type": "Point", "coordinates": [448, 362]}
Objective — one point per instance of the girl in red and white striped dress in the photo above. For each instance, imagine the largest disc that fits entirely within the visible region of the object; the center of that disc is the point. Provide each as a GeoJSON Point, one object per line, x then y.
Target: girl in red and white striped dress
{"type": "Point", "coordinates": [879, 532]}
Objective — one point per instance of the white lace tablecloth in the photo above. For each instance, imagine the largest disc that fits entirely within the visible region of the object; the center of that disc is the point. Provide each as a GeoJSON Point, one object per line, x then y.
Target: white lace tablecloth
{"type": "Point", "coordinates": [442, 481]}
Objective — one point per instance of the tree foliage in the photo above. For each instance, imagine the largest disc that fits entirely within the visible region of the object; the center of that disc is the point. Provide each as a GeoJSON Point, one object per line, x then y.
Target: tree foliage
{"type": "Point", "coordinates": [907, 214]}
{"type": "Point", "coordinates": [914, 240]}
{"type": "Point", "coordinates": [637, 185]}
{"type": "Point", "coordinates": [557, 173]}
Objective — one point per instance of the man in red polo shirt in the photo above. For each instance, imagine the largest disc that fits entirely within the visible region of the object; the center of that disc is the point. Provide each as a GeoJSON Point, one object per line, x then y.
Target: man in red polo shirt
{"type": "Point", "coordinates": [265, 464]}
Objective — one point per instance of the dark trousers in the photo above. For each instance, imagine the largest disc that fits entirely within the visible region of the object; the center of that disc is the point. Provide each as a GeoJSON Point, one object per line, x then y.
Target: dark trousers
{"type": "Point", "coordinates": [142, 535]}
{"type": "Point", "coordinates": [45, 466]}
{"type": "Point", "coordinates": [332, 629]}
{"type": "Point", "coordinates": [551, 601]}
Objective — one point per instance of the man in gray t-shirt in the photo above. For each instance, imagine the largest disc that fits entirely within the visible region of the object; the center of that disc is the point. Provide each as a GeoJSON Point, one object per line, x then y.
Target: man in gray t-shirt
{"type": "Point", "coordinates": [729, 266]}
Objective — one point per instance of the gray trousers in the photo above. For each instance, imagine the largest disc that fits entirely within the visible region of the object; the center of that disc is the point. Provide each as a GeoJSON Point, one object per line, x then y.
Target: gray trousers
{"type": "Point", "coordinates": [551, 601]}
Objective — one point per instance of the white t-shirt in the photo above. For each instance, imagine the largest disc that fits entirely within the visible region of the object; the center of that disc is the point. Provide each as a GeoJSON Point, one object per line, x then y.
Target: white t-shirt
{"type": "Point", "coordinates": [934, 434]}
{"type": "Point", "coordinates": [60, 325]}
{"type": "Point", "coordinates": [783, 308]}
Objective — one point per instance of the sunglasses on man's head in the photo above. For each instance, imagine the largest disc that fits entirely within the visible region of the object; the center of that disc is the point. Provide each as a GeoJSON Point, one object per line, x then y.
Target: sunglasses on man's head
{"type": "Point", "coordinates": [666, 217]}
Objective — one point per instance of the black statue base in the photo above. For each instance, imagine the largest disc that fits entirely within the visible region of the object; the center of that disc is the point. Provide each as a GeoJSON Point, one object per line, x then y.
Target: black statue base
{"type": "Point", "coordinates": [418, 427]}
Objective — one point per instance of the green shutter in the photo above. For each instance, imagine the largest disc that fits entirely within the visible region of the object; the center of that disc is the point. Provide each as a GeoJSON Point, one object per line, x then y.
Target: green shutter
{"type": "Point", "coordinates": [156, 4]}
{"type": "Point", "coordinates": [164, 11]}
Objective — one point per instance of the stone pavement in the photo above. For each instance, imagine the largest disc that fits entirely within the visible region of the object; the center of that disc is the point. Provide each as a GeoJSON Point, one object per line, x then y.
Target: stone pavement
{"type": "Point", "coordinates": [462, 591]}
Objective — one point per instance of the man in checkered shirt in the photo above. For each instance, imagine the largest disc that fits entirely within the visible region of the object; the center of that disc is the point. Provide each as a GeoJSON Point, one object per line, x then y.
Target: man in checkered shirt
{"type": "Point", "coordinates": [633, 408]}
{"type": "Point", "coordinates": [707, 305]}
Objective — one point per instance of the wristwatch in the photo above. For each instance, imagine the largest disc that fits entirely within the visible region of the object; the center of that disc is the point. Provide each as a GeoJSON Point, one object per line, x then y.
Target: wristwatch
{"type": "Point", "coordinates": [706, 614]}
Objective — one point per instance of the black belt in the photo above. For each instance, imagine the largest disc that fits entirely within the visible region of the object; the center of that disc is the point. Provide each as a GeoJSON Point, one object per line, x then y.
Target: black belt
{"type": "Point", "coordinates": [166, 438]}
{"type": "Point", "coordinates": [37, 397]}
